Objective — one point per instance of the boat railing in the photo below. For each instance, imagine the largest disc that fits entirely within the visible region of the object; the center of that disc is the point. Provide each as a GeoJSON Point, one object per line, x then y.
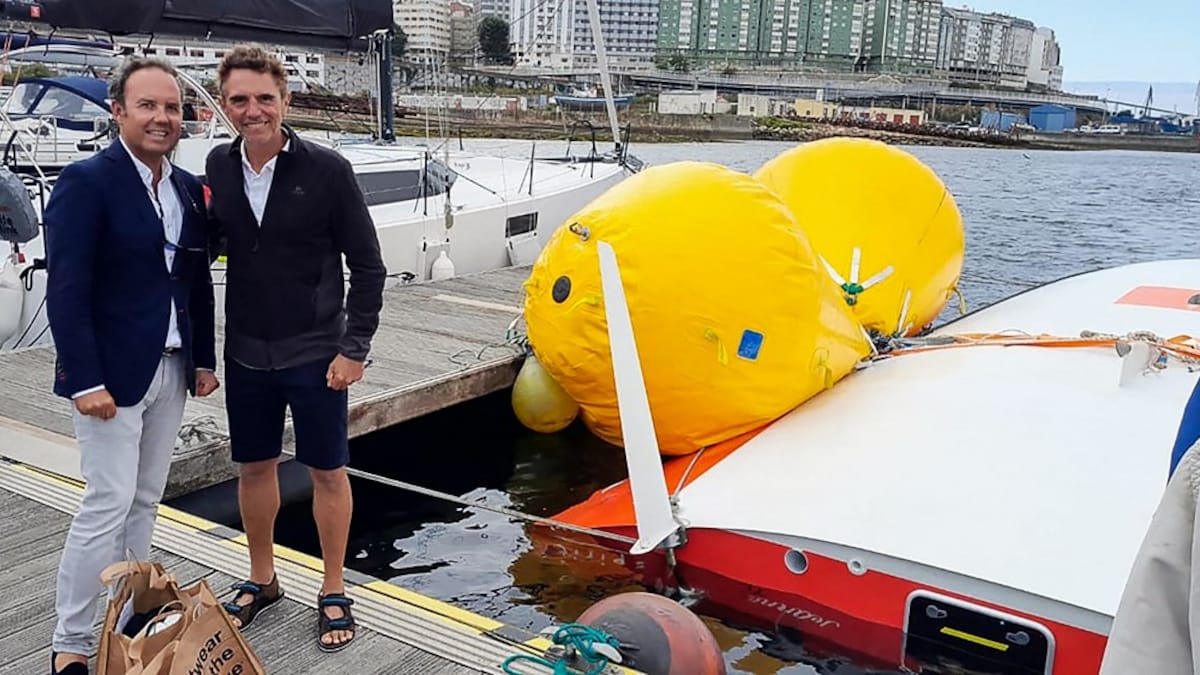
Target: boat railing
{"type": "Point", "coordinates": [593, 152]}
{"type": "Point", "coordinates": [24, 148]}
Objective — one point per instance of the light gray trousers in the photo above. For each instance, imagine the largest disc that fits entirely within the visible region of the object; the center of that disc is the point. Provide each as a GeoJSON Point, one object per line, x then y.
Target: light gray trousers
{"type": "Point", "coordinates": [124, 461]}
{"type": "Point", "coordinates": [1156, 630]}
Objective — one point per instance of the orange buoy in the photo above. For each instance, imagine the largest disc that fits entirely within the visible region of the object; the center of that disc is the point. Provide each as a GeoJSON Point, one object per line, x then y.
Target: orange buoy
{"type": "Point", "coordinates": [658, 636]}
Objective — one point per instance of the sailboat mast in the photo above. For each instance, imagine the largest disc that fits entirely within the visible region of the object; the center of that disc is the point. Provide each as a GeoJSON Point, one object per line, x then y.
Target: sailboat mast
{"type": "Point", "coordinates": [602, 60]}
{"type": "Point", "coordinates": [387, 108]}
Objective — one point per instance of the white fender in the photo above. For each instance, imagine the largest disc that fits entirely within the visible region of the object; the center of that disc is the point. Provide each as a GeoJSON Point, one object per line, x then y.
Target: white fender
{"type": "Point", "coordinates": [12, 300]}
{"type": "Point", "coordinates": [443, 267]}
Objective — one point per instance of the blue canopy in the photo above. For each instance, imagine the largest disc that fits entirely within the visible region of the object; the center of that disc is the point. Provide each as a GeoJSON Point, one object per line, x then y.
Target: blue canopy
{"type": "Point", "coordinates": [66, 99]}
{"type": "Point", "coordinates": [93, 89]}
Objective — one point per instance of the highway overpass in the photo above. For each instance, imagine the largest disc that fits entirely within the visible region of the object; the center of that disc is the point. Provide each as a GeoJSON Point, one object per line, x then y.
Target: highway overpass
{"type": "Point", "coordinates": [879, 88]}
{"type": "Point", "coordinates": [836, 86]}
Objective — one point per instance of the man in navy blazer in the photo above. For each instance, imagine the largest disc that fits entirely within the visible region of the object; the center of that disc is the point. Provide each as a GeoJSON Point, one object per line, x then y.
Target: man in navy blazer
{"type": "Point", "coordinates": [130, 303]}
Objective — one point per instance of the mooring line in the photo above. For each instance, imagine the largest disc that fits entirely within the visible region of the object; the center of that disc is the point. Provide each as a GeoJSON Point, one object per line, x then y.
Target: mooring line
{"type": "Point", "coordinates": [511, 513]}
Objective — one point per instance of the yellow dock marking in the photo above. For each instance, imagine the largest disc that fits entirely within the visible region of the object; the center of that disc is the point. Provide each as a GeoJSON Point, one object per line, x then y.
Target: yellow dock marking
{"type": "Point", "coordinates": [384, 591]}
{"type": "Point", "coordinates": [186, 518]}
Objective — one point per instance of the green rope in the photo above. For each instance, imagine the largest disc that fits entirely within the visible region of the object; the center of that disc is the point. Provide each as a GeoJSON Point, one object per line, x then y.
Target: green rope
{"type": "Point", "coordinates": [578, 639]}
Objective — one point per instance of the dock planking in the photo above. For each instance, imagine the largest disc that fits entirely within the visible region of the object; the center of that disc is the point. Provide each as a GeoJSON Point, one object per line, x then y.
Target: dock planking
{"type": "Point", "coordinates": [400, 631]}
{"type": "Point", "coordinates": [32, 535]}
{"type": "Point", "coordinates": [438, 344]}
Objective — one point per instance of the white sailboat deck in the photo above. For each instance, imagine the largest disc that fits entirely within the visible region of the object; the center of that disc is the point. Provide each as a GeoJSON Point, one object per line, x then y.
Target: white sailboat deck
{"type": "Point", "coordinates": [1035, 469]}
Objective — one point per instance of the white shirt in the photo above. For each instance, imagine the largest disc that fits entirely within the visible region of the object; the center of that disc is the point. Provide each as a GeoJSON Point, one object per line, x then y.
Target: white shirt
{"type": "Point", "coordinates": [258, 184]}
{"type": "Point", "coordinates": [170, 213]}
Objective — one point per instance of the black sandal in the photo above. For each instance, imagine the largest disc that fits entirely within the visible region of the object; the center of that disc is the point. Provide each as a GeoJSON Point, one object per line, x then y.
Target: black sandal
{"type": "Point", "coordinates": [263, 597]}
{"type": "Point", "coordinates": [326, 625]}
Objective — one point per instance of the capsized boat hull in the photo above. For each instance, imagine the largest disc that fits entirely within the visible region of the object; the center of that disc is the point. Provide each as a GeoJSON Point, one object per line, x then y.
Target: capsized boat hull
{"type": "Point", "coordinates": [988, 495]}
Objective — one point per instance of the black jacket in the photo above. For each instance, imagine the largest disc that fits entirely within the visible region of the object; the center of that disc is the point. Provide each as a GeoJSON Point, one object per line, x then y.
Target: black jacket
{"type": "Point", "coordinates": [284, 282]}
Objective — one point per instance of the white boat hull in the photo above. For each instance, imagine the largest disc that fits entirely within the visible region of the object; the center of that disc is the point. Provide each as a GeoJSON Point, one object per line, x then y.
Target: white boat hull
{"type": "Point", "coordinates": [488, 193]}
{"type": "Point", "coordinates": [1015, 480]}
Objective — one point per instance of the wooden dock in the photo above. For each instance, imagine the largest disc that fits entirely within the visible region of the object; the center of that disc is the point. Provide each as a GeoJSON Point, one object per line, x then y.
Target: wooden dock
{"type": "Point", "coordinates": [438, 344]}
{"type": "Point", "coordinates": [399, 631]}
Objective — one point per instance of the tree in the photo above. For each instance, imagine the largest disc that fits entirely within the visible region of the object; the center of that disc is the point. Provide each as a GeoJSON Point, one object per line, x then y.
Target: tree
{"type": "Point", "coordinates": [493, 40]}
{"type": "Point", "coordinates": [27, 71]}
{"type": "Point", "coordinates": [679, 63]}
{"type": "Point", "coordinates": [399, 42]}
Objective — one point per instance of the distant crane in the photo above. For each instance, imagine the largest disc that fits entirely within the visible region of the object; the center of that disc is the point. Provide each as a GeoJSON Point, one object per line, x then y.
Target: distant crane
{"type": "Point", "coordinates": [1146, 107]}
{"type": "Point", "coordinates": [1198, 99]}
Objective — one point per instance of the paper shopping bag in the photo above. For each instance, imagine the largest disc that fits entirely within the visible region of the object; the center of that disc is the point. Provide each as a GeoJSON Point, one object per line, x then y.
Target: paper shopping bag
{"type": "Point", "coordinates": [137, 620]}
{"type": "Point", "coordinates": [152, 649]}
{"type": "Point", "coordinates": [211, 644]}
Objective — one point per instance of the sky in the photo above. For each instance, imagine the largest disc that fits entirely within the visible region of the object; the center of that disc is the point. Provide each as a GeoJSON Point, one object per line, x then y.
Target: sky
{"type": "Point", "coordinates": [1116, 42]}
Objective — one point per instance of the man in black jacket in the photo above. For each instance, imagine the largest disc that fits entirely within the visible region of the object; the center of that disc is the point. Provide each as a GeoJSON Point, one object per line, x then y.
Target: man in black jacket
{"type": "Point", "coordinates": [285, 211]}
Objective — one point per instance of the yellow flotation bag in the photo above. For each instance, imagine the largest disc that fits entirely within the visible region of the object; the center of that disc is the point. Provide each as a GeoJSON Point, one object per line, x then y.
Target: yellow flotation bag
{"type": "Point", "coordinates": [539, 402]}
{"type": "Point", "coordinates": [736, 321]}
{"type": "Point", "coordinates": [883, 222]}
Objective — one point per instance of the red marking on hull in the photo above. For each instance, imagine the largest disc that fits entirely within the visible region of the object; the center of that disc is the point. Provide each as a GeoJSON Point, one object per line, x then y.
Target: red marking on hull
{"type": "Point", "coordinates": [1162, 297]}
{"type": "Point", "coordinates": [860, 616]}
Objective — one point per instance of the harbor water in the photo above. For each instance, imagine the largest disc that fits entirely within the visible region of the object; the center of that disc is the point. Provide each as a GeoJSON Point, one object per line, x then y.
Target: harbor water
{"type": "Point", "coordinates": [1030, 217]}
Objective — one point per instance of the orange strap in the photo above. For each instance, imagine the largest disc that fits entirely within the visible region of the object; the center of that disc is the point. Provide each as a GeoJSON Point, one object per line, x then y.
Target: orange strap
{"type": "Point", "coordinates": [1183, 346]}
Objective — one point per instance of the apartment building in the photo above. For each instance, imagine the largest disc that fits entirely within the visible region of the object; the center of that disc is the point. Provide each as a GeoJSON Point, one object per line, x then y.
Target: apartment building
{"type": "Point", "coordinates": [199, 58]}
{"type": "Point", "coordinates": [464, 33]}
{"type": "Point", "coordinates": [427, 25]}
{"type": "Point", "coordinates": [630, 34]}
{"type": "Point", "coordinates": [716, 32]}
{"type": "Point", "coordinates": [499, 8]}
{"type": "Point", "coordinates": [837, 34]}
{"type": "Point", "coordinates": [992, 49]}
{"type": "Point", "coordinates": [541, 33]}
{"type": "Point", "coordinates": [832, 32]}
{"type": "Point", "coordinates": [902, 35]}
{"type": "Point", "coordinates": [1045, 61]}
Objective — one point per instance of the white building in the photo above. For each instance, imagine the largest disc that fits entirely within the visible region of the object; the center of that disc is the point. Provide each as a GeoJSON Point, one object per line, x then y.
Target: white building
{"type": "Point", "coordinates": [1014, 66]}
{"type": "Point", "coordinates": [630, 34]}
{"type": "Point", "coordinates": [541, 33]}
{"type": "Point", "coordinates": [557, 34]}
{"type": "Point", "coordinates": [1045, 60]}
{"type": "Point", "coordinates": [200, 58]}
{"type": "Point", "coordinates": [500, 8]}
{"type": "Point", "coordinates": [427, 25]}
{"type": "Point", "coordinates": [989, 48]}
{"type": "Point", "coordinates": [761, 105]}
{"type": "Point", "coordinates": [692, 102]}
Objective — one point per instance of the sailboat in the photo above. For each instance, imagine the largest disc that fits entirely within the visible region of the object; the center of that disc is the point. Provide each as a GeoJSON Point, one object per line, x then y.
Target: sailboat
{"type": "Point", "coordinates": [587, 99]}
{"type": "Point", "coordinates": [437, 212]}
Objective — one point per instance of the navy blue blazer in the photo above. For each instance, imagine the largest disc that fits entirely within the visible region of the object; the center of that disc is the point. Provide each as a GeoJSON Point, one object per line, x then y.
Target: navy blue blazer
{"type": "Point", "coordinates": [109, 292]}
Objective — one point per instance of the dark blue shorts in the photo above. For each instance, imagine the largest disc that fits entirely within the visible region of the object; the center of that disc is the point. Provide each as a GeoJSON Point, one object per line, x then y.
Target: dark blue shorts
{"type": "Point", "coordinates": [256, 400]}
